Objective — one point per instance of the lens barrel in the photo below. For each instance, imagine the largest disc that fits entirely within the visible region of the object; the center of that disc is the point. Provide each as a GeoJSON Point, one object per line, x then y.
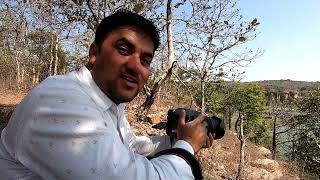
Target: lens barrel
{"type": "Point", "coordinates": [215, 124]}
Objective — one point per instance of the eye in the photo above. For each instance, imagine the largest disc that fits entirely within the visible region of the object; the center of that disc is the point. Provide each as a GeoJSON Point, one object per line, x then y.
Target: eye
{"type": "Point", "coordinates": [146, 60]}
{"type": "Point", "coordinates": [123, 50]}
{"type": "Point", "coordinates": [124, 47]}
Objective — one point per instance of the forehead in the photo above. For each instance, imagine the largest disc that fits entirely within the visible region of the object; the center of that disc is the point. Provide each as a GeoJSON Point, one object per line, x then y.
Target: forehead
{"type": "Point", "coordinates": [135, 36]}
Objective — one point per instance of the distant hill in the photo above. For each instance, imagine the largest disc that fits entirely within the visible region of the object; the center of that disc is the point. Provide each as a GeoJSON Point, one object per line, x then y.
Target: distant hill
{"type": "Point", "coordinates": [288, 85]}
{"type": "Point", "coordinates": [286, 90]}
{"type": "Point", "coordinates": [283, 90]}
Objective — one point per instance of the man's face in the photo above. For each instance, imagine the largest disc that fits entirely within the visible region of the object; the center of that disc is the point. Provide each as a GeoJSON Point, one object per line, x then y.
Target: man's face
{"type": "Point", "coordinates": [122, 64]}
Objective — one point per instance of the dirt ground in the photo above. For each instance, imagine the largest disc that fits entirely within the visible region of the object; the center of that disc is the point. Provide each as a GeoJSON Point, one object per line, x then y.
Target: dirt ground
{"type": "Point", "coordinates": [8, 101]}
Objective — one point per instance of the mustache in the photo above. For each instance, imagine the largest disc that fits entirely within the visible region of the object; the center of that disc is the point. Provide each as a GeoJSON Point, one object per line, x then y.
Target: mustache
{"type": "Point", "coordinates": [130, 77]}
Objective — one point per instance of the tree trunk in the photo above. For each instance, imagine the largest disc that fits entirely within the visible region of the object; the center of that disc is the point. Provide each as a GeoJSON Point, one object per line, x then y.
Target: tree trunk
{"type": "Point", "coordinates": [51, 55]}
{"type": "Point", "coordinates": [169, 36]}
{"type": "Point", "coordinates": [237, 123]}
{"type": "Point", "coordinates": [22, 73]}
{"type": "Point", "coordinates": [37, 75]}
{"type": "Point", "coordinates": [33, 76]}
{"type": "Point", "coordinates": [274, 141]}
{"type": "Point", "coordinates": [293, 157]}
{"type": "Point", "coordinates": [202, 94]}
{"type": "Point", "coordinates": [225, 113]}
{"type": "Point", "coordinates": [56, 58]}
{"type": "Point", "coordinates": [229, 116]}
{"type": "Point", "coordinates": [18, 78]}
{"type": "Point", "coordinates": [151, 94]}
{"type": "Point", "coordinates": [242, 145]}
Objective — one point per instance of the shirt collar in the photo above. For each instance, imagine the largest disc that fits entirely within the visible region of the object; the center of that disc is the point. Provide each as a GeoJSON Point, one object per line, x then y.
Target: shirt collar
{"type": "Point", "coordinates": [102, 100]}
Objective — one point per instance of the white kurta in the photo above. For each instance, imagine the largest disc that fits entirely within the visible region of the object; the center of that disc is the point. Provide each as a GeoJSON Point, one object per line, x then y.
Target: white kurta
{"type": "Point", "coordinates": [67, 128]}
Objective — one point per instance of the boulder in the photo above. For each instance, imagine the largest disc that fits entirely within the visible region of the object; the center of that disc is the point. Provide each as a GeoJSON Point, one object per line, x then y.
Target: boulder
{"type": "Point", "coordinates": [154, 118]}
{"type": "Point", "coordinates": [267, 164]}
{"type": "Point", "coordinates": [263, 151]}
{"type": "Point", "coordinates": [253, 173]}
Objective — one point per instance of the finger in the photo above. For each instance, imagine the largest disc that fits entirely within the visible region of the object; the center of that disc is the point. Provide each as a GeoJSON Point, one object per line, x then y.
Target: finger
{"type": "Point", "coordinates": [199, 119]}
{"type": "Point", "coordinates": [204, 127]}
{"type": "Point", "coordinates": [214, 135]}
{"type": "Point", "coordinates": [211, 138]}
{"type": "Point", "coordinates": [207, 142]}
{"type": "Point", "coordinates": [182, 117]}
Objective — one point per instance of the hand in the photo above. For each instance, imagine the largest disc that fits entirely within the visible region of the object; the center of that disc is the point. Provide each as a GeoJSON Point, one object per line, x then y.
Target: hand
{"type": "Point", "coordinates": [209, 140]}
{"type": "Point", "coordinates": [194, 132]}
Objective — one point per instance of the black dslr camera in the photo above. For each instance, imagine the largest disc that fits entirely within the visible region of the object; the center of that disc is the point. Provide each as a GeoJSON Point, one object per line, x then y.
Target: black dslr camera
{"type": "Point", "coordinates": [215, 124]}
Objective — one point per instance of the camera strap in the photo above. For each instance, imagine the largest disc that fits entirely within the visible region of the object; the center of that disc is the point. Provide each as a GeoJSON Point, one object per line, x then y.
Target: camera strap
{"type": "Point", "coordinates": [187, 156]}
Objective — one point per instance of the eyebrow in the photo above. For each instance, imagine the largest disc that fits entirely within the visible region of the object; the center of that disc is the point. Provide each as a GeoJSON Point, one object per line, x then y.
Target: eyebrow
{"type": "Point", "coordinates": [126, 42]}
{"type": "Point", "coordinates": [132, 46]}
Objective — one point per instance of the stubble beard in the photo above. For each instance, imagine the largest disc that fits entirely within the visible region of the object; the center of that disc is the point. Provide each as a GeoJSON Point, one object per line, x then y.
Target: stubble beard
{"type": "Point", "coordinates": [117, 96]}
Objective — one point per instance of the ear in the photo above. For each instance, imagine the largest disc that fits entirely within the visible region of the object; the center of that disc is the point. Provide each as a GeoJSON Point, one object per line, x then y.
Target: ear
{"type": "Point", "coordinates": [92, 56]}
{"type": "Point", "coordinates": [93, 51]}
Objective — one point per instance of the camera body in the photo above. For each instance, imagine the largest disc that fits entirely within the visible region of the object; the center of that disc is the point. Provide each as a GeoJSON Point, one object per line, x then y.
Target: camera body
{"type": "Point", "coordinates": [214, 124]}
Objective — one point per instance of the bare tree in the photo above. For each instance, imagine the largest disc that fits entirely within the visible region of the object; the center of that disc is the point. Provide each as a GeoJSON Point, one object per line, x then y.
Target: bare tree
{"type": "Point", "coordinates": [281, 114]}
{"type": "Point", "coordinates": [206, 36]}
{"type": "Point", "coordinates": [242, 145]}
{"type": "Point", "coordinates": [16, 22]}
{"type": "Point", "coordinates": [169, 65]}
{"type": "Point", "coordinates": [211, 38]}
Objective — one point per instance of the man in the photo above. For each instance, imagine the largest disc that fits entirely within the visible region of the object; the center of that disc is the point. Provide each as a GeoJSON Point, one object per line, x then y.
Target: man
{"type": "Point", "coordinates": [73, 126]}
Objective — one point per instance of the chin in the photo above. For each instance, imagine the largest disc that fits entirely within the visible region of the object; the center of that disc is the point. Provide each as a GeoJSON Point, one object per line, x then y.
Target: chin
{"type": "Point", "coordinates": [127, 97]}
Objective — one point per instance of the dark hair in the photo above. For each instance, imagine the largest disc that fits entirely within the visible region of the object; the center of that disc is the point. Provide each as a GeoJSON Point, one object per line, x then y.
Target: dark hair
{"type": "Point", "coordinates": [126, 18]}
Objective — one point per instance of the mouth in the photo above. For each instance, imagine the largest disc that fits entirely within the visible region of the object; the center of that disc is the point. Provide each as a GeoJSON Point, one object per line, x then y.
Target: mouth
{"type": "Point", "coordinates": [130, 81]}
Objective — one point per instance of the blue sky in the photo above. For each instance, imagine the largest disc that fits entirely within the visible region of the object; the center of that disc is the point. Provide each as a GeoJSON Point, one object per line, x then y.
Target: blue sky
{"type": "Point", "coordinates": [290, 36]}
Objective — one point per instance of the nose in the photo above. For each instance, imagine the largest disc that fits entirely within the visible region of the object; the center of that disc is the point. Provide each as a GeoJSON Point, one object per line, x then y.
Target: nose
{"type": "Point", "coordinates": [134, 66]}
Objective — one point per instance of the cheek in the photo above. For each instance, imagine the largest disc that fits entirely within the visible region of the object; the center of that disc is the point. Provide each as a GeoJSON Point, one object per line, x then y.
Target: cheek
{"type": "Point", "coordinates": [145, 75]}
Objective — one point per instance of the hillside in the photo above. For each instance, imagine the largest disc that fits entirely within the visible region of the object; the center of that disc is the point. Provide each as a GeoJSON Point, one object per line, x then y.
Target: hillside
{"type": "Point", "coordinates": [218, 162]}
{"type": "Point", "coordinates": [282, 90]}
{"type": "Point", "coordinates": [221, 160]}
{"type": "Point", "coordinates": [284, 85]}
{"type": "Point", "coordinates": [287, 85]}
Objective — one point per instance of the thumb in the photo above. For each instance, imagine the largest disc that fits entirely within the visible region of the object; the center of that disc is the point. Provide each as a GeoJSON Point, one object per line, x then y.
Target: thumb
{"type": "Point", "coordinates": [182, 117]}
{"type": "Point", "coordinates": [199, 119]}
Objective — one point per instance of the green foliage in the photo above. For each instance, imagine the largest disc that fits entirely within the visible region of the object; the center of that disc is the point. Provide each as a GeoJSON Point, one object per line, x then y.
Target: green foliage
{"type": "Point", "coordinates": [43, 49]}
{"type": "Point", "coordinates": [138, 7]}
{"type": "Point", "coordinates": [310, 103]}
{"type": "Point", "coordinates": [215, 97]}
{"type": "Point", "coordinates": [6, 63]}
{"type": "Point", "coordinates": [259, 131]}
{"type": "Point", "coordinates": [307, 149]}
{"type": "Point", "coordinates": [249, 101]}
{"type": "Point", "coordinates": [187, 91]}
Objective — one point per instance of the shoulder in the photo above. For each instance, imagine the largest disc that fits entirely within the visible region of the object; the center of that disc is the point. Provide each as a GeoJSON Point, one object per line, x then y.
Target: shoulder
{"type": "Point", "coordinates": [62, 90]}
{"type": "Point", "coordinates": [57, 83]}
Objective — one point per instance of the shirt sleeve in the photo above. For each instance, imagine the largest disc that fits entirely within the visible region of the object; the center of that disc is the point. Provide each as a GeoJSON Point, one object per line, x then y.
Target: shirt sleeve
{"type": "Point", "coordinates": [148, 146]}
{"type": "Point", "coordinates": [65, 136]}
